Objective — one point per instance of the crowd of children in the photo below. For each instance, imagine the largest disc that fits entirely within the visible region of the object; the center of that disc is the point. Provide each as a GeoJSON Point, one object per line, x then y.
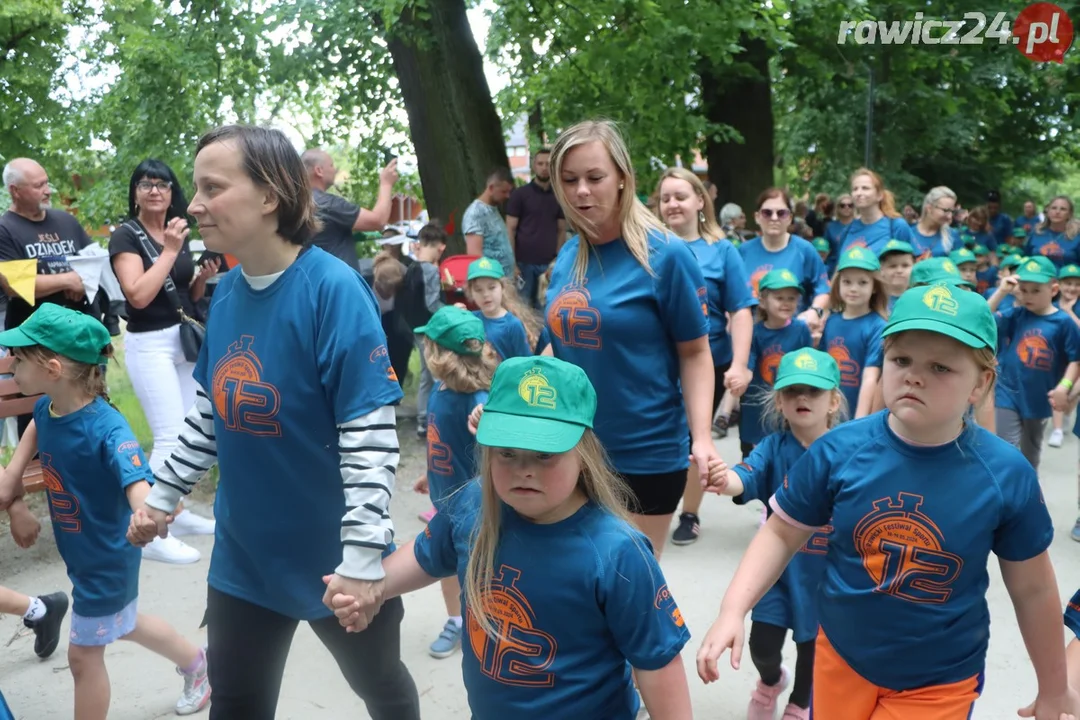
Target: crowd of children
{"type": "Point", "coordinates": [875, 522]}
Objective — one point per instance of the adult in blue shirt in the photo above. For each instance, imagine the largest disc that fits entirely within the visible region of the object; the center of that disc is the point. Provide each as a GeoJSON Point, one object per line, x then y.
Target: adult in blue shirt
{"type": "Point", "coordinates": [1056, 236]}
{"type": "Point", "coordinates": [1001, 225]}
{"type": "Point", "coordinates": [877, 220]}
{"type": "Point", "coordinates": [686, 208]}
{"type": "Point", "coordinates": [1028, 220]}
{"type": "Point", "coordinates": [627, 303]}
{"type": "Point", "coordinates": [836, 228]}
{"type": "Point", "coordinates": [777, 249]}
{"type": "Point", "coordinates": [933, 235]}
{"type": "Point", "coordinates": [296, 405]}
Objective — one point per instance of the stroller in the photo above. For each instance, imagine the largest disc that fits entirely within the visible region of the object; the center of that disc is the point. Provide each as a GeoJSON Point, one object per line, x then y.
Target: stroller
{"type": "Point", "coordinates": [453, 271]}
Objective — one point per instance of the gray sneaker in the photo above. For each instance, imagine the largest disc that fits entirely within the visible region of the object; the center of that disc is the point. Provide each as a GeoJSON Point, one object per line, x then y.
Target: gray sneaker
{"type": "Point", "coordinates": [196, 695]}
{"type": "Point", "coordinates": [448, 642]}
{"type": "Point", "coordinates": [1075, 534]}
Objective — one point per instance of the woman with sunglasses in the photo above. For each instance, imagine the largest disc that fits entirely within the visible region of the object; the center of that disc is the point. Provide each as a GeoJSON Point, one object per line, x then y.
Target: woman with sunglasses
{"type": "Point", "coordinates": [934, 235]}
{"type": "Point", "coordinates": [837, 227]}
{"type": "Point", "coordinates": [778, 249]}
{"type": "Point", "coordinates": [878, 222]}
{"type": "Point", "coordinates": [160, 374]}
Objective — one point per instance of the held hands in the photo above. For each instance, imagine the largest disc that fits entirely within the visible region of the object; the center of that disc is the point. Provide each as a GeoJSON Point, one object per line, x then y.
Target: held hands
{"type": "Point", "coordinates": [725, 634]}
{"type": "Point", "coordinates": [1065, 706]}
{"type": "Point", "coordinates": [703, 454]}
{"type": "Point", "coordinates": [810, 317]}
{"type": "Point", "coordinates": [737, 379]}
{"type": "Point", "coordinates": [176, 232]}
{"type": "Point", "coordinates": [1059, 398]}
{"type": "Point", "coordinates": [355, 603]}
{"type": "Point", "coordinates": [717, 481]}
{"type": "Point", "coordinates": [146, 524]}
{"type": "Point", "coordinates": [24, 526]}
{"type": "Point", "coordinates": [389, 174]}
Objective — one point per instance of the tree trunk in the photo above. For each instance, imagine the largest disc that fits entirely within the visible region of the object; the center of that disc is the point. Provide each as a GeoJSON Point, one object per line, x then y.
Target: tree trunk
{"type": "Point", "coordinates": [454, 128]}
{"type": "Point", "coordinates": [537, 136]}
{"type": "Point", "coordinates": [740, 95]}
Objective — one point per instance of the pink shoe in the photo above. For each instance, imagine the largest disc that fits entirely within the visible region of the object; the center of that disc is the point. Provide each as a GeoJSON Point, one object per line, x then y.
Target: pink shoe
{"type": "Point", "coordinates": [763, 699]}
{"type": "Point", "coordinates": [426, 516]}
{"type": "Point", "coordinates": [794, 712]}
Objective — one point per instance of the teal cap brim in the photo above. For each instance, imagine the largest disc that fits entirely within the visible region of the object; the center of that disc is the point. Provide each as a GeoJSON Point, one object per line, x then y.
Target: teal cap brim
{"type": "Point", "coordinates": [1024, 276]}
{"type": "Point", "coordinates": [493, 274]}
{"type": "Point", "coordinates": [527, 433]}
{"type": "Point", "coordinates": [936, 326]}
{"type": "Point", "coordinates": [804, 379]}
{"type": "Point", "coordinates": [16, 337]}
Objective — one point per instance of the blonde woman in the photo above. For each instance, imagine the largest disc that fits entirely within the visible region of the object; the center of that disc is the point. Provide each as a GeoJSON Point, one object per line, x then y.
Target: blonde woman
{"type": "Point", "coordinates": [877, 220]}
{"type": "Point", "coordinates": [933, 235]}
{"type": "Point", "coordinates": [685, 207]}
{"type": "Point", "coordinates": [1056, 236]}
{"type": "Point", "coordinates": [627, 303]}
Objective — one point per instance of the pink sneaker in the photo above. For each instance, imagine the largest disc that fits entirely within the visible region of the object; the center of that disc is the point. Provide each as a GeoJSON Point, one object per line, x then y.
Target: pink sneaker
{"type": "Point", "coordinates": [794, 712]}
{"type": "Point", "coordinates": [763, 699]}
{"type": "Point", "coordinates": [426, 516]}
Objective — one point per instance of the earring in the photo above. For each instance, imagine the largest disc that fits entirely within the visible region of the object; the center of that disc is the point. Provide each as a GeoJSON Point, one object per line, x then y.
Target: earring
{"type": "Point", "coordinates": [621, 186]}
{"type": "Point", "coordinates": [701, 217]}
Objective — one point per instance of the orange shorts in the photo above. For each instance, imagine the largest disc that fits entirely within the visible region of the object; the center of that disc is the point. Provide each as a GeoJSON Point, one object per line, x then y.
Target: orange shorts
{"type": "Point", "coordinates": [840, 693]}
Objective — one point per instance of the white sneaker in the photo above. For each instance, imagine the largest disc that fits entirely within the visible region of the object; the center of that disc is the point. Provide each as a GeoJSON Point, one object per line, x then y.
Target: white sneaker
{"type": "Point", "coordinates": [196, 695]}
{"type": "Point", "coordinates": [188, 523]}
{"type": "Point", "coordinates": [172, 551]}
{"type": "Point", "coordinates": [1056, 438]}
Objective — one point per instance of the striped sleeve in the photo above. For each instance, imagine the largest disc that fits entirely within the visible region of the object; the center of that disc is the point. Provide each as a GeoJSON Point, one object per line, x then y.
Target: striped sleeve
{"type": "Point", "coordinates": [195, 454]}
{"type": "Point", "coordinates": [369, 458]}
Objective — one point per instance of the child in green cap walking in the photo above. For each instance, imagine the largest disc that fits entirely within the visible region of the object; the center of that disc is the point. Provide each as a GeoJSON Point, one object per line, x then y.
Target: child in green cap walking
{"type": "Point", "coordinates": [96, 475]}
{"type": "Point", "coordinates": [512, 329]}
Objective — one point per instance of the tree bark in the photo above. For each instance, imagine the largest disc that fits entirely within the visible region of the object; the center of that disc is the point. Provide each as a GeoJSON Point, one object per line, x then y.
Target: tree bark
{"type": "Point", "coordinates": [741, 97]}
{"type": "Point", "coordinates": [454, 128]}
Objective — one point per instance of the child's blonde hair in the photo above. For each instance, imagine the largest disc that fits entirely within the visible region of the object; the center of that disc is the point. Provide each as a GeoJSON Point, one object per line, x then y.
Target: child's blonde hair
{"type": "Point", "coordinates": [460, 373]}
{"type": "Point", "coordinates": [513, 304]}
{"type": "Point", "coordinates": [985, 359]}
{"type": "Point", "coordinates": [88, 377]}
{"type": "Point", "coordinates": [879, 298]}
{"type": "Point", "coordinates": [773, 419]}
{"type": "Point", "coordinates": [597, 481]}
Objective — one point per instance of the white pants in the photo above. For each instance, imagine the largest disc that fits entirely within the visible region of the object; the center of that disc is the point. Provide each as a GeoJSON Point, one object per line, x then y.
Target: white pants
{"type": "Point", "coordinates": [163, 382]}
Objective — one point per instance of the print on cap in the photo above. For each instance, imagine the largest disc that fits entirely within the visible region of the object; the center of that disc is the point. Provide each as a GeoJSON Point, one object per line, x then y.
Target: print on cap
{"type": "Point", "coordinates": [948, 267]}
{"type": "Point", "coordinates": [535, 390]}
{"type": "Point", "coordinates": [940, 299]}
{"type": "Point", "coordinates": [789, 276]}
{"type": "Point", "coordinates": [805, 361]}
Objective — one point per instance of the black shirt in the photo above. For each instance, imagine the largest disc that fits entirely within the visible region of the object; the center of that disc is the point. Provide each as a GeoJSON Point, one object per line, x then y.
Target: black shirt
{"type": "Point", "coordinates": [160, 313]}
{"type": "Point", "coordinates": [338, 216]}
{"type": "Point", "coordinates": [538, 214]}
{"type": "Point", "coordinates": [49, 241]}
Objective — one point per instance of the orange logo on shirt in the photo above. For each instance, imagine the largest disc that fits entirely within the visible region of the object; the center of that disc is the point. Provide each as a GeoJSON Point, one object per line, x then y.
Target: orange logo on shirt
{"type": "Point", "coordinates": [63, 506]}
{"type": "Point", "coordinates": [1052, 250]}
{"type": "Point", "coordinates": [850, 371]}
{"type": "Point", "coordinates": [573, 321]}
{"type": "Point", "coordinates": [520, 654]}
{"type": "Point", "coordinates": [769, 363]}
{"type": "Point", "coordinates": [818, 542]}
{"type": "Point", "coordinates": [755, 277]}
{"type": "Point", "coordinates": [1035, 352]}
{"type": "Point", "coordinates": [244, 402]}
{"type": "Point", "coordinates": [439, 456]}
{"type": "Point", "coordinates": [703, 296]}
{"type": "Point", "coordinates": [665, 603]}
{"type": "Point", "coordinates": [903, 551]}
{"type": "Point", "coordinates": [859, 242]}
{"type": "Point", "coordinates": [381, 356]}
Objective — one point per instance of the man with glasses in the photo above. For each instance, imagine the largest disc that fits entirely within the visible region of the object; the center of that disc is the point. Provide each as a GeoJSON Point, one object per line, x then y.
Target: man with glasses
{"type": "Point", "coordinates": [32, 230]}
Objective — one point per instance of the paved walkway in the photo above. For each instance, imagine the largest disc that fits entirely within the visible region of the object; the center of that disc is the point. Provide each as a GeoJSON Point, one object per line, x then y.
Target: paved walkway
{"type": "Point", "coordinates": [145, 686]}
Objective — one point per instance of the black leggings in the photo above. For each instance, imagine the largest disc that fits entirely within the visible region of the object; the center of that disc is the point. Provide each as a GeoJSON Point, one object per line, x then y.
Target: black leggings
{"type": "Point", "coordinates": [248, 646]}
{"type": "Point", "coordinates": [766, 645]}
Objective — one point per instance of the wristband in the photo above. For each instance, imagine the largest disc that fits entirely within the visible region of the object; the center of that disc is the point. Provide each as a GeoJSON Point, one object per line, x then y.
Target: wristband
{"type": "Point", "coordinates": [1066, 383]}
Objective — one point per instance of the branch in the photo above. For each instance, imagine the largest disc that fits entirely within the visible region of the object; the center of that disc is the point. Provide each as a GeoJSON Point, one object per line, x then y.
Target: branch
{"type": "Point", "coordinates": [16, 38]}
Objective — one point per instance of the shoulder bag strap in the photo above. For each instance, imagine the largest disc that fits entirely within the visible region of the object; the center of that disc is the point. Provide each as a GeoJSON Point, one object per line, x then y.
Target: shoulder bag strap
{"type": "Point", "coordinates": [152, 253]}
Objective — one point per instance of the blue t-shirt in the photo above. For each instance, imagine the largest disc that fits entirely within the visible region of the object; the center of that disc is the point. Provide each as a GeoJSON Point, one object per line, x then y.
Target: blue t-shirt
{"type": "Point", "coordinates": [727, 291]}
{"type": "Point", "coordinates": [1054, 245]}
{"type": "Point", "coordinates": [986, 280]}
{"type": "Point", "coordinates": [834, 233]}
{"type": "Point", "coordinates": [766, 348]}
{"type": "Point", "coordinates": [855, 345]}
{"type": "Point", "coordinates": [934, 243]}
{"type": "Point", "coordinates": [451, 448]}
{"type": "Point", "coordinates": [1025, 222]}
{"type": "Point", "coordinates": [1001, 227]}
{"type": "Point", "coordinates": [1033, 352]}
{"type": "Point", "coordinates": [904, 596]}
{"type": "Point", "coordinates": [581, 601]}
{"type": "Point", "coordinates": [1006, 303]}
{"type": "Point", "coordinates": [1072, 614]}
{"type": "Point", "coordinates": [621, 326]}
{"type": "Point", "coordinates": [799, 257]}
{"type": "Point", "coordinates": [88, 459]}
{"type": "Point", "coordinates": [542, 341]}
{"type": "Point", "coordinates": [284, 367]}
{"type": "Point", "coordinates": [875, 235]}
{"type": "Point", "coordinates": [506, 335]}
{"type": "Point", "coordinates": [792, 602]}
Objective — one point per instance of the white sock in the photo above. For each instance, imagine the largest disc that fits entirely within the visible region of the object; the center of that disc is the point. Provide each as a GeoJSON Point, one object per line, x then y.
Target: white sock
{"type": "Point", "coordinates": [36, 611]}
{"type": "Point", "coordinates": [457, 621]}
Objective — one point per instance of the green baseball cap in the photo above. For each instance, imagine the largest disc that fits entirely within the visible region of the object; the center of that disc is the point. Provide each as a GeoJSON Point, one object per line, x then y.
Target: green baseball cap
{"type": "Point", "coordinates": [452, 328]}
{"type": "Point", "coordinates": [822, 245]}
{"type": "Point", "coordinates": [1010, 250]}
{"type": "Point", "coordinates": [1036, 269]}
{"type": "Point", "coordinates": [538, 403]}
{"type": "Point", "coordinates": [858, 259]}
{"type": "Point", "coordinates": [980, 251]}
{"type": "Point", "coordinates": [778, 280]}
{"type": "Point", "coordinates": [1011, 261]}
{"type": "Point", "coordinates": [967, 239]}
{"type": "Point", "coordinates": [946, 310]}
{"type": "Point", "coordinates": [1019, 232]}
{"type": "Point", "coordinates": [485, 268]}
{"type": "Point", "coordinates": [937, 270]}
{"type": "Point", "coordinates": [896, 246]}
{"type": "Point", "coordinates": [1069, 271]}
{"type": "Point", "coordinates": [807, 367]}
{"type": "Point", "coordinates": [66, 332]}
{"type": "Point", "coordinates": [961, 256]}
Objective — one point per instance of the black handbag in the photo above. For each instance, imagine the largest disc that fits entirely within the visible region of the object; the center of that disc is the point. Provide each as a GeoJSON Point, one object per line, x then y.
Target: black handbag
{"type": "Point", "coordinates": [192, 332]}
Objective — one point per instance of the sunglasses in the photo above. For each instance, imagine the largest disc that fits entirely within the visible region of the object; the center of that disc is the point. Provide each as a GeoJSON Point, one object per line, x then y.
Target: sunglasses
{"type": "Point", "coordinates": [847, 205]}
{"type": "Point", "coordinates": [778, 214]}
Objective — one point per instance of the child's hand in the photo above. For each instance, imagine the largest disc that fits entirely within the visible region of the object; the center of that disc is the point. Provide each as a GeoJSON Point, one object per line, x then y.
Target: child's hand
{"type": "Point", "coordinates": [737, 379]}
{"type": "Point", "coordinates": [461, 305]}
{"type": "Point", "coordinates": [146, 524]}
{"type": "Point", "coordinates": [474, 418]}
{"type": "Point", "coordinates": [24, 526]}
{"type": "Point", "coordinates": [717, 481]}
{"type": "Point", "coordinates": [421, 485]}
{"type": "Point", "coordinates": [726, 633]}
{"type": "Point", "coordinates": [1059, 398]}
{"type": "Point", "coordinates": [1057, 707]}
{"type": "Point", "coordinates": [1008, 284]}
